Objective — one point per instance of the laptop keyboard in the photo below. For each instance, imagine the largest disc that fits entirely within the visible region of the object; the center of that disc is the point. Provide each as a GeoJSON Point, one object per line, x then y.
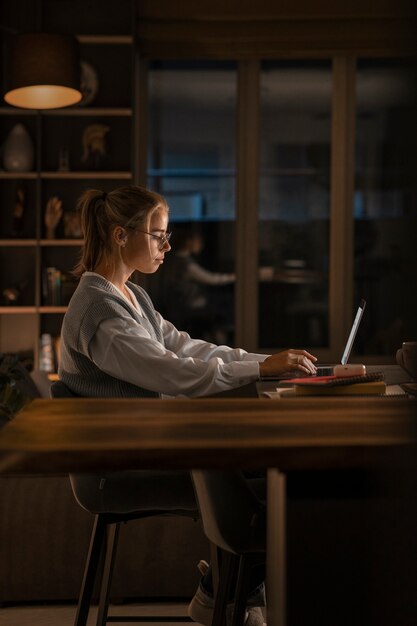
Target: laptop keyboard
{"type": "Point", "coordinates": [322, 370]}
{"type": "Point", "coordinates": [325, 370]}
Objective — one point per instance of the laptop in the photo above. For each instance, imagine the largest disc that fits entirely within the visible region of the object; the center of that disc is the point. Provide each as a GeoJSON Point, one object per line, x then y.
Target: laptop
{"type": "Point", "coordinates": [327, 370]}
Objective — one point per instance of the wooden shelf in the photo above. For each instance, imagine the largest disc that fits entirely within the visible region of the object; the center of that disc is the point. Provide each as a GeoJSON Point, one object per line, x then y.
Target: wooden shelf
{"type": "Point", "coordinates": [86, 175]}
{"type": "Point", "coordinates": [19, 175]}
{"type": "Point", "coordinates": [28, 243]}
{"type": "Point", "coordinates": [15, 111]}
{"type": "Point", "coordinates": [52, 309]}
{"type": "Point", "coordinates": [25, 255]}
{"type": "Point", "coordinates": [24, 310]}
{"type": "Point", "coordinates": [17, 243]}
{"type": "Point", "coordinates": [12, 310]}
{"type": "Point", "coordinates": [60, 242]}
{"type": "Point", "coordinates": [72, 111]}
{"type": "Point", "coordinates": [115, 40]}
{"type": "Point", "coordinates": [90, 111]}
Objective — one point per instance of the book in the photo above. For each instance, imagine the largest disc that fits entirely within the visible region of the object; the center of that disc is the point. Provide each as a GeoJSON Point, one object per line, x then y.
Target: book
{"type": "Point", "coordinates": [51, 287]}
{"type": "Point", "coordinates": [373, 387]}
{"type": "Point", "coordinates": [334, 381]}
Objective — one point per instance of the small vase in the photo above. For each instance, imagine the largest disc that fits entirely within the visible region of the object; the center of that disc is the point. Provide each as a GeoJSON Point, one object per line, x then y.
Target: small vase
{"type": "Point", "coordinates": [18, 150]}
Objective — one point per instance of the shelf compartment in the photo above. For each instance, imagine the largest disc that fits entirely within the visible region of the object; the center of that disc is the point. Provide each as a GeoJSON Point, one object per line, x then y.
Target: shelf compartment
{"type": "Point", "coordinates": [58, 282]}
{"type": "Point", "coordinates": [106, 154]}
{"type": "Point", "coordinates": [19, 333]}
{"type": "Point", "coordinates": [17, 283]}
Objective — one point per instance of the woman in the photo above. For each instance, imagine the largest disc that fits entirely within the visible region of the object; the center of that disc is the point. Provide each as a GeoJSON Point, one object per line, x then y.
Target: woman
{"type": "Point", "coordinates": [114, 343]}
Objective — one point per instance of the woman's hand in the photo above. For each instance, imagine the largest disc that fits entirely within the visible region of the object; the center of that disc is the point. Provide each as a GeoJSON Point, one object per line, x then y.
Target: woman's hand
{"type": "Point", "coordinates": [280, 362]}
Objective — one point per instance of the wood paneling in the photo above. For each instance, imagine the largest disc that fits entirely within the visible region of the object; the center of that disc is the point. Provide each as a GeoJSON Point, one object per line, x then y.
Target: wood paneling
{"type": "Point", "coordinates": [212, 10]}
{"type": "Point", "coordinates": [341, 200]}
{"type": "Point", "coordinates": [247, 154]}
{"type": "Point", "coordinates": [236, 30]}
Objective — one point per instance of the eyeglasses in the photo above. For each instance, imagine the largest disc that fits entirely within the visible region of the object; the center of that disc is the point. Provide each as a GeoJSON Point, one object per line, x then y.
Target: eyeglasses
{"type": "Point", "coordinates": [163, 239]}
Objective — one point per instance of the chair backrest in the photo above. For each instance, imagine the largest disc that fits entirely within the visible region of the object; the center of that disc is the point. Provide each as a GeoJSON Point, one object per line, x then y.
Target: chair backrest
{"type": "Point", "coordinates": [233, 516]}
{"type": "Point", "coordinates": [60, 390]}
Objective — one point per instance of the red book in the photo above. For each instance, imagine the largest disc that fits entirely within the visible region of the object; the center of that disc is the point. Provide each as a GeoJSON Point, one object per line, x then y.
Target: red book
{"type": "Point", "coordinates": [334, 381]}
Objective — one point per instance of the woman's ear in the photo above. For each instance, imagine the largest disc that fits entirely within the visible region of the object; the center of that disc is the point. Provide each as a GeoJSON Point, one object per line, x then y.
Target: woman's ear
{"type": "Point", "coordinates": [120, 236]}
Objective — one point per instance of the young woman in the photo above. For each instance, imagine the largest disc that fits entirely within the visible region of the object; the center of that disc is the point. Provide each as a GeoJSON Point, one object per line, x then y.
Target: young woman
{"type": "Point", "coordinates": [114, 344]}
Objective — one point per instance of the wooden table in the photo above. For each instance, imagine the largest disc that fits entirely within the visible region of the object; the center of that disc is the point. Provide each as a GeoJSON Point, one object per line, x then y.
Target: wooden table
{"type": "Point", "coordinates": [77, 435]}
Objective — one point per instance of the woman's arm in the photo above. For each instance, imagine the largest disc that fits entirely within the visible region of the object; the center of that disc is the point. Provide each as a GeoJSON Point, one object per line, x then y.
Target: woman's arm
{"type": "Point", "coordinates": [124, 349]}
{"type": "Point", "coordinates": [183, 345]}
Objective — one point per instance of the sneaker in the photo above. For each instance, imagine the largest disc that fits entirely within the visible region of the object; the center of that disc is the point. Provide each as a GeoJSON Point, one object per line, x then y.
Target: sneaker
{"type": "Point", "coordinates": [201, 607]}
{"type": "Point", "coordinates": [255, 617]}
{"type": "Point", "coordinates": [255, 600]}
{"type": "Point", "coordinates": [202, 567]}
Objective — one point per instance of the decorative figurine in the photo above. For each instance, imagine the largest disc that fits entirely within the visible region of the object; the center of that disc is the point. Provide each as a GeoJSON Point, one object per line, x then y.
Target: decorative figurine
{"type": "Point", "coordinates": [72, 225]}
{"type": "Point", "coordinates": [11, 295]}
{"type": "Point", "coordinates": [53, 214]}
{"type": "Point", "coordinates": [93, 143]}
{"type": "Point", "coordinates": [18, 211]}
{"type": "Point", "coordinates": [63, 159]}
{"type": "Point", "coordinates": [18, 152]}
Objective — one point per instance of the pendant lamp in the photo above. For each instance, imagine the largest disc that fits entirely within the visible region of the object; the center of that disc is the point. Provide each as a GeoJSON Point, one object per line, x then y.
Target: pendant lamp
{"type": "Point", "coordinates": [43, 71]}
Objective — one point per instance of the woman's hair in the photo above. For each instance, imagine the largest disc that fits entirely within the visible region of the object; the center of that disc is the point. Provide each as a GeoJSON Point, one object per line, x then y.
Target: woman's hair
{"type": "Point", "coordinates": [100, 211]}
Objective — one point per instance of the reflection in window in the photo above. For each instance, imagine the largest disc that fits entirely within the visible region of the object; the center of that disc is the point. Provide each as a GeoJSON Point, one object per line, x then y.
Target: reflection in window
{"type": "Point", "coordinates": [385, 208]}
{"type": "Point", "coordinates": [191, 161]}
{"type": "Point", "coordinates": [294, 203]}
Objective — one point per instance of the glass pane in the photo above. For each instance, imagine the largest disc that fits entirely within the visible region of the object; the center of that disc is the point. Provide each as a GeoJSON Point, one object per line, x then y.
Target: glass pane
{"type": "Point", "coordinates": [385, 208]}
{"type": "Point", "coordinates": [294, 204]}
{"type": "Point", "coordinates": [191, 161]}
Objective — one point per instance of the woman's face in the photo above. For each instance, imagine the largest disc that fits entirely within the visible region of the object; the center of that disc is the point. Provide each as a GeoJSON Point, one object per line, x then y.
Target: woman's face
{"type": "Point", "coordinates": [142, 251]}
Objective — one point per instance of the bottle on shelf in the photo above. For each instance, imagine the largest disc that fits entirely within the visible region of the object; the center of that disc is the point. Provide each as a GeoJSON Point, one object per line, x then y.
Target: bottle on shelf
{"type": "Point", "coordinates": [46, 354]}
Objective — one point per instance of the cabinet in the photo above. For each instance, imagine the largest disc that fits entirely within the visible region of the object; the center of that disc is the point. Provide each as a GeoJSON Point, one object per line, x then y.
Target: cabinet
{"type": "Point", "coordinates": [35, 270]}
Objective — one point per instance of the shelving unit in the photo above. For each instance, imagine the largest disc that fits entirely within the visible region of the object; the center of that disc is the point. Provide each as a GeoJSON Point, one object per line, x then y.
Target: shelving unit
{"type": "Point", "coordinates": [27, 307]}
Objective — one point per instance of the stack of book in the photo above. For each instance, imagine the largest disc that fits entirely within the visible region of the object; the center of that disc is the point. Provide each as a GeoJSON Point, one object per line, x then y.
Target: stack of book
{"type": "Point", "coordinates": [51, 286]}
{"type": "Point", "coordinates": [367, 384]}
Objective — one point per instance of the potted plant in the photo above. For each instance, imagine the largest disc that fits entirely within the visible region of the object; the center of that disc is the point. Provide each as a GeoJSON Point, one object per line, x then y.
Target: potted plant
{"type": "Point", "coordinates": [12, 398]}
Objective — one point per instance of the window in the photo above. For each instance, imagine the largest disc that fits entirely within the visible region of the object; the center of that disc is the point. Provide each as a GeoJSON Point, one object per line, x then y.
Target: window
{"type": "Point", "coordinates": [385, 210]}
{"type": "Point", "coordinates": [294, 209]}
{"type": "Point", "coordinates": [310, 215]}
{"type": "Point", "coordinates": [191, 161]}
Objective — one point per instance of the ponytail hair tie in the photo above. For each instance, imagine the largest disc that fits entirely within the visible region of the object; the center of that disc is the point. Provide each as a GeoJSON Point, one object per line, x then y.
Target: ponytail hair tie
{"type": "Point", "coordinates": [104, 196]}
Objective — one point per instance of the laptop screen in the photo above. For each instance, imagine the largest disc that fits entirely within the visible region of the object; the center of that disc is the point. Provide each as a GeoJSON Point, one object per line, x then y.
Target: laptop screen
{"type": "Point", "coordinates": [353, 332]}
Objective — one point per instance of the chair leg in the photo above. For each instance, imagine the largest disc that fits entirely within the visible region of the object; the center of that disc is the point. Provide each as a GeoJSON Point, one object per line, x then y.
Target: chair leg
{"type": "Point", "coordinates": [228, 570]}
{"type": "Point", "coordinates": [111, 550]}
{"type": "Point", "coordinates": [242, 590]}
{"type": "Point", "coordinates": [90, 571]}
{"type": "Point", "coordinates": [215, 559]}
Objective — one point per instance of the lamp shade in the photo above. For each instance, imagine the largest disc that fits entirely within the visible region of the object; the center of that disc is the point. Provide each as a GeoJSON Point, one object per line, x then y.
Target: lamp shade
{"type": "Point", "coordinates": [43, 71]}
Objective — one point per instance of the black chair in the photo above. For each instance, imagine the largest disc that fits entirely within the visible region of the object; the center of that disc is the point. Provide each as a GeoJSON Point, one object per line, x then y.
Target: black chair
{"type": "Point", "coordinates": [105, 532]}
{"type": "Point", "coordinates": [234, 520]}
